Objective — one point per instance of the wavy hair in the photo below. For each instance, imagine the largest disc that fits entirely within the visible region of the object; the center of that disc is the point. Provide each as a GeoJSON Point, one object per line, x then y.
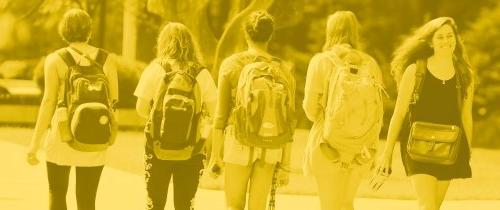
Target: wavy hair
{"type": "Point", "coordinates": [342, 27]}
{"type": "Point", "coordinates": [417, 46]}
{"type": "Point", "coordinates": [175, 41]}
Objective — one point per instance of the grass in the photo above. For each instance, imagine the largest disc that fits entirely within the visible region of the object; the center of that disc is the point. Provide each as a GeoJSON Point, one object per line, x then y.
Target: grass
{"type": "Point", "coordinates": [127, 155]}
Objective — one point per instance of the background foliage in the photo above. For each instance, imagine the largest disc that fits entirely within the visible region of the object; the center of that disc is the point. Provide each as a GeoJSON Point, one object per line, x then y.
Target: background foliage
{"type": "Point", "coordinates": [28, 32]}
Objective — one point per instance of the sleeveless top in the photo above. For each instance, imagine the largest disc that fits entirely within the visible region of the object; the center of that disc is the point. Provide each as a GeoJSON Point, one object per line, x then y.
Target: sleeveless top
{"type": "Point", "coordinates": [438, 101]}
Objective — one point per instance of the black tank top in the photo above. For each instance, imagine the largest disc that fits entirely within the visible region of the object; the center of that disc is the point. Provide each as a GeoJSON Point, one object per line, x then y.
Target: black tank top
{"type": "Point", "coordinates": [437, 101]}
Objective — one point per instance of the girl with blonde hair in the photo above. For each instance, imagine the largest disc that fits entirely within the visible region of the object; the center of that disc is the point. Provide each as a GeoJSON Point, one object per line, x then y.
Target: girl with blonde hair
{"type": "Point", "coordinates": [177, 59]}
{"type": "Point", "coordinates": [339, 162]}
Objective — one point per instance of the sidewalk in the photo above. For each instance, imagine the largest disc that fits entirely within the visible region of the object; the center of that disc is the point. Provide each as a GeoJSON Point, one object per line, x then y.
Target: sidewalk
{"type": "Point", "coordinates": [23, 187]}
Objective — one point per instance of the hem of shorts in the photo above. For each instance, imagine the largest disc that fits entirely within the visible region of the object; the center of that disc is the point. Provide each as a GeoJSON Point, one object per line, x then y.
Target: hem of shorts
{"type": "Point", "coordinates": [248, 164]}
{"type": "Point", "coordinates": [74, 164]}
{"type": "Point", "coordinates": [441, 178]}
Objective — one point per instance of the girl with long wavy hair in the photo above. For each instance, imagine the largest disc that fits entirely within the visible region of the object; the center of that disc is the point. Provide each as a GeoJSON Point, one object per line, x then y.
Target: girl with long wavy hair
{"type": "Point", "coordinates": [434, 59]}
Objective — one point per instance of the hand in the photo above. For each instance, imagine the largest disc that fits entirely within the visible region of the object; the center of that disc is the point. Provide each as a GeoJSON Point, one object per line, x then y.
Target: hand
{"type": "Point", "coordinates": [215, 167]}
{"type": "Point", "coordinates": [382, 171]}
{"type": "Point", "coordinates": [31, 157]}
{"type": "Point", "coordinates": [283, 175]}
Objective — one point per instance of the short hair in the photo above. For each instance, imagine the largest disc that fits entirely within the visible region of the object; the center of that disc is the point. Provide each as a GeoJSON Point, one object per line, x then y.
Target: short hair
{"type": "Point", "coordinates": [259, 26]}
{"type": "Point", "coordinates": [75, 26]}
{"type": "Point", "coordinates": [342, 28]}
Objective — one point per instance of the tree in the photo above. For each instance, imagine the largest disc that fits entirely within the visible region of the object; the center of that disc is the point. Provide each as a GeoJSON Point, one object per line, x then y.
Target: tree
{"type": "Point", "coordinates": [484, 50]}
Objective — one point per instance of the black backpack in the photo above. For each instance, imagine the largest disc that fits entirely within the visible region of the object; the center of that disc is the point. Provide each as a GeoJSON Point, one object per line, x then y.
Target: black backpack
{"type": "Point", "coordinates": [86, 97]}
{"type": "Point", "coordinates": [173, 126]}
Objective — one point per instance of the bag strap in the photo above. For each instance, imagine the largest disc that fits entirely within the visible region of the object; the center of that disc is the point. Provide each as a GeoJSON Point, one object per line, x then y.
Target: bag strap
{"type": "Point", "coordinates": [100, 58]}
{"type": "Point", "coordinates": [333, 78]}
{"type": "Point", "coordinates": [420, 72]}
{"type": "Point", "coordinates": [69, 61]}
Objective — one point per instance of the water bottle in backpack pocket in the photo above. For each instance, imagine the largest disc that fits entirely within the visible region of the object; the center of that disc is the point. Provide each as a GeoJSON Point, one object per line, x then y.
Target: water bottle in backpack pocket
{"type": "Point", "coordinates": [63, 124]}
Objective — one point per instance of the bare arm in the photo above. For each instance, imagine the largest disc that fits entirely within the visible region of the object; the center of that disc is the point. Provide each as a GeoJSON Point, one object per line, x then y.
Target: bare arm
{"type": "Point", "coordinates": [217, 143]}
{"type": "Point", "coordinates": [147, 88]}
{"type": "Point", "coordinates": [48, 104]}
{"type": "Point", "coordinates": [112, 75]}
{"type": "Point", "coordinates": [401, 109]}
{"type": "Point", "coordinates": [143, 107]}
{"type": "Point", "coordinates": [222, 111]}
{"type": "Point", "coordinates": [467, 115]}
{"type": "Point", "coordinates": [313, 90]}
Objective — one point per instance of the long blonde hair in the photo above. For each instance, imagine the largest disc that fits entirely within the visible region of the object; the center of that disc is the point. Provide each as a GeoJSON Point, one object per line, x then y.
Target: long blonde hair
{"type": "Point", "coordinates": [342, 28]}
{"type": "Point", "coordinates": [418, 47]}
{"type": "Point", "coordinates": [176, 42]}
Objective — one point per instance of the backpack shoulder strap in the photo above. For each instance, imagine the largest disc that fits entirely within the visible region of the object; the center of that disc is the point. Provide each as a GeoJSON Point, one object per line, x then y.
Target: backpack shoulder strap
{"type": "Point", "coordinates": [159, 91]}
{"type": "Point", "coordinates": [69, 61]}
{"type": "Point", "coordinates": [420, 72]}
{"type": "Point", "coordinates": [333, 76]}
{"type": "Point", "coordinates": [66, 57]}
{"type": "Point", "coordinates": [92, 61]}
{"type": "Point", "coordinates": [101, 57]}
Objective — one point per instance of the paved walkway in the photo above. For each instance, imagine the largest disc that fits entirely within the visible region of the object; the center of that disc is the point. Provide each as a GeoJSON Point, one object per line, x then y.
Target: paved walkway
{"type": "Point", "coordinates": [23, 187]}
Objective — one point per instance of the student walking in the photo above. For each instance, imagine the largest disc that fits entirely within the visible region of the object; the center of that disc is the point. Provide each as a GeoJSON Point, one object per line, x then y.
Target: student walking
{"type": "Point", "coordinates": [343, 98]}
{"type": "Point", "coordinates": [255, 111]}
{"type": "Point", "coordinates": [436, 88]}
{"type": "Point", "coordinates": [79, 103]}
{"type": "Point", "coordinates": [175, 93]}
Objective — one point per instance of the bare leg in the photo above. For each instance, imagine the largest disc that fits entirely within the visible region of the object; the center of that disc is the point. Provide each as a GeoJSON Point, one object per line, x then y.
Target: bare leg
{"type": "Point", "coordinates": [235, 185]}
{"type": "Point", "coordinates": [442, 188]}
{"type": "Point", "coordinates": [354, 179]}
{"type": "Point", "coordinates": [426, 189]}
{"type": "Point", "coordinates": [260, 185]}
{"type": "Point", "coordinates": [331, 181]}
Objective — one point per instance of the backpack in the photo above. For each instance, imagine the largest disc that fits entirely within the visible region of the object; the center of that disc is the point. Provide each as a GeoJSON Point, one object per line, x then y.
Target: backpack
{"type": "Point", "coordinates": [174, 121]}
{"type": "Point", "coordinates": [353, 104]}
{"type": "Point", "coordinates": [86, 102]}
{"type": "Point", "coordinates": [263, 112]}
